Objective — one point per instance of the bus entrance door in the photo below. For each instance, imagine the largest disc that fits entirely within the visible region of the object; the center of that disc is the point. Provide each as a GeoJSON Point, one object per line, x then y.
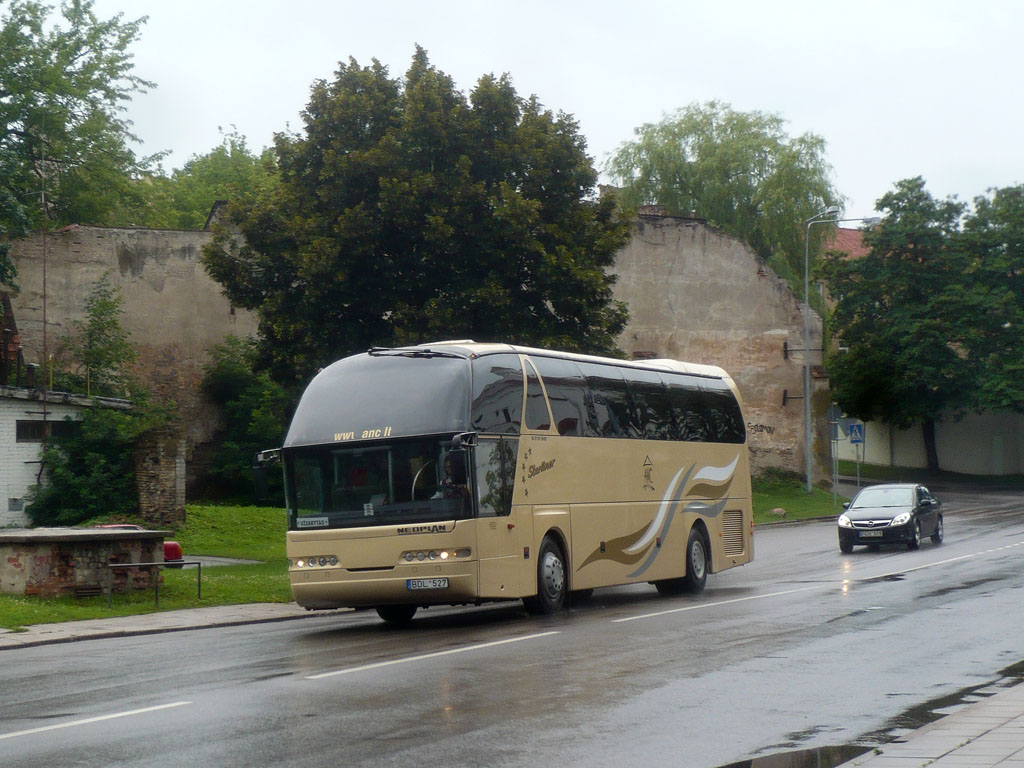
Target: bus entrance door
{"type": "Point", "coordinates": [498, 549]}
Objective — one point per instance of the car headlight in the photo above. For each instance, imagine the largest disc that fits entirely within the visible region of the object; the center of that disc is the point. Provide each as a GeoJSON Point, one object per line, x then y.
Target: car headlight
{"type": "Point", "coordinates": [901, 519]}
{"type": "Point", "coordinates": [844, 522]}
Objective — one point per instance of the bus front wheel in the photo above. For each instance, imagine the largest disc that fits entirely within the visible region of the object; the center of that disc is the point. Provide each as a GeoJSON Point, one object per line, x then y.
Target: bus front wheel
{"type": "Point", "coordinates": [397, 615]}
{"type": "Point", "coordinates": [551, 579]}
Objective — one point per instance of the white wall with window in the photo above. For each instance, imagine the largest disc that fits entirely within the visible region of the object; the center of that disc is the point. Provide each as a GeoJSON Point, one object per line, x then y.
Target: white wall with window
{"type": "Point", "coordinates": [22, 427]}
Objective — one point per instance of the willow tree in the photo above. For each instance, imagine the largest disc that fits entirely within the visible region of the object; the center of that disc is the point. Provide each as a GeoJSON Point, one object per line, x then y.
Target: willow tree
{"type": "Point", "coordinates": [740, 171]}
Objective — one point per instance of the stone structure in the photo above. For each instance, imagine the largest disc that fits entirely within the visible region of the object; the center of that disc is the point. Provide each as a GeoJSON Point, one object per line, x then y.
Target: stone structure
{"type": "Point", "coordinates": [694, 294]}
{"type": "Point", "coordinates": [172, 308]}
{"type": "Point", "coordinates": [700, 295]}
{"type": "Point", "coordinates": [48, 562]}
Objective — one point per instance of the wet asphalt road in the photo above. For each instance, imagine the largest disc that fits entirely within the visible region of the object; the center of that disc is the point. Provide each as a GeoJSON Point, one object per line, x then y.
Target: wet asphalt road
{"type": "Point", "coordinates": [804, 647]}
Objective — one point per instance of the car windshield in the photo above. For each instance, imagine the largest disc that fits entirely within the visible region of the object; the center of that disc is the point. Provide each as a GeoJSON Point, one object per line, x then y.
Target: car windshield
{"type": "Point", "coordinates": [883, 497]}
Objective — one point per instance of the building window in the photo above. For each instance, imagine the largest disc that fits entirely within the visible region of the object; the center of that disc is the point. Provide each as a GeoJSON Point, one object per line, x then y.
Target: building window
{"type": "Point", "coordinates": [33, 431]}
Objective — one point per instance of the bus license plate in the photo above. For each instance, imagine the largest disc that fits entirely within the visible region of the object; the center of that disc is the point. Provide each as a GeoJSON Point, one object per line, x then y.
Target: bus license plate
{"type": "Point", "coordinates": [436, 583]}
{"type": "Point", "coordinates": [870, 534]}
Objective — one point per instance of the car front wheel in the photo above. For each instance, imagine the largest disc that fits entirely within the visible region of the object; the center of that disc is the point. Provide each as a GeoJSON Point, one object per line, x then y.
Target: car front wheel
{"type": "Point", "coordinates": [915, 536]}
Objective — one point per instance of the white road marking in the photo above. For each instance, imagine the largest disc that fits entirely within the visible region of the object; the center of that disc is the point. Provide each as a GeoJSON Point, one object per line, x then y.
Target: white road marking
{"type": "Point", "coordinates": [423, 656]}
{"type": "Point", "coordinates": [93, 720]}
{"type": "Point", "coordinates": [713, 605]}
{"type": "Point", "coordinates": [843, 583]}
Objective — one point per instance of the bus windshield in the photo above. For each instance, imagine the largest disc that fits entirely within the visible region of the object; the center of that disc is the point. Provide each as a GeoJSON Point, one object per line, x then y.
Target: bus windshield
{"type": "Point", "coordinates": [385, 483]}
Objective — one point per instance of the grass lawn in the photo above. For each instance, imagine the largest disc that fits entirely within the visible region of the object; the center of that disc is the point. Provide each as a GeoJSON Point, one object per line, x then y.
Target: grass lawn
{"type": "Point", "coordinates": [250, 533]}
{"type": "Point", "coordinates": [257, 533]}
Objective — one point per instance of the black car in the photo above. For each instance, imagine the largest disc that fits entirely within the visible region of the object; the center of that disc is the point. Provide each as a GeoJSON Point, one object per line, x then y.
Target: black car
{"type": "Point", "coordinates": [890, 514]}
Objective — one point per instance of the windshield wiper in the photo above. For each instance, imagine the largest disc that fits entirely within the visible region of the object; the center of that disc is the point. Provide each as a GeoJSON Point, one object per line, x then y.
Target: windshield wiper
{"type": "Point", "coordinates": [422, 353]}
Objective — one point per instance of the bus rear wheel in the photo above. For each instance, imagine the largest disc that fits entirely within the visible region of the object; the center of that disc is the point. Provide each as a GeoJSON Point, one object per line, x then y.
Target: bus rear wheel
{"type": "Point", "coordinates": [396, 615]}
{"type": "Point", "coordinates": [696, 562]}
{"type": "Point", "coordinates": [696, 569]}
{"type": "Point", "coordinates": [552, 586]}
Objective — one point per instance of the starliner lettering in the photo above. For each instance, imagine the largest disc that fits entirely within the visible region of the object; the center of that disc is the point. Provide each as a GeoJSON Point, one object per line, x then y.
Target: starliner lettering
{"type": "Point", "coordinates": [544, 466]}
{"type": "Point", "coordinates": [442, 528]}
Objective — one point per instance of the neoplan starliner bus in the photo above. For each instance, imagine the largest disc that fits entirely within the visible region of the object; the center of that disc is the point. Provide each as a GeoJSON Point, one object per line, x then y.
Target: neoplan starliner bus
{"type": "Point", "coordinates": [457, 472]}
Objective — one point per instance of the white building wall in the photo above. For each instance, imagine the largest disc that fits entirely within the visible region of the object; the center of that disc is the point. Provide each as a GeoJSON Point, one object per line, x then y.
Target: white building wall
{"type": "Point", "coordinates": [978, 444]}
{"type": "Point", "coordinates": [19, 462]}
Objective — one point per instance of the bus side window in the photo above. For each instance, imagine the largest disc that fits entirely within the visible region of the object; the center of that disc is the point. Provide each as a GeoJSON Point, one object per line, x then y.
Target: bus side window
{"type": "Point", "coordinates": [725, 422]}
{"type": "Point", "coordinates": [609, 404]}
{"type": "Point", "coordinates": [566, 389]}
{"type": "Point", "coordinates": [495, 475]}
{"type": "Point", "coordinates": [650, 397]}
{"type": "Point", "coordinates": [537, 415]}
{"type": "Point", "coordinates": [687, 408]}
{"type": "Point", "coordinates": [497, 403]}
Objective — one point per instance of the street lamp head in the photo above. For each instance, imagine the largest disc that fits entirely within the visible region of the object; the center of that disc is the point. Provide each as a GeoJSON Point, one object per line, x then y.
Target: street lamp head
{"type": "Point", "coordinates": [831, 211]}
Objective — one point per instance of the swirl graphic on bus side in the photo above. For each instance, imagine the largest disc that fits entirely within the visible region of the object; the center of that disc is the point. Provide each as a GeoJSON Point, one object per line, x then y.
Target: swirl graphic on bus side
{"type": "Point", "coordinates": [711, 482]}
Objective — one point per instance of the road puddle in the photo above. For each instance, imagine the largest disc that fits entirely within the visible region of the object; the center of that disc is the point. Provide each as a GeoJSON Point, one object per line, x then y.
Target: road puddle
{"type": "Point", "coordinates": [895, 730]}
{"type": "Point", "coordinates": [819, 757]}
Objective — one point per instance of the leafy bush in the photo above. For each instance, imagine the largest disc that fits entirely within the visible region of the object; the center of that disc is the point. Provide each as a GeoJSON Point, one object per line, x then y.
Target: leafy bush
{"type": "Point", "coordinates": [90, 471]}
{"type": "Point", "coordinates": [256, 410]}
{"type": "Point", "coordinates": [777, 479]}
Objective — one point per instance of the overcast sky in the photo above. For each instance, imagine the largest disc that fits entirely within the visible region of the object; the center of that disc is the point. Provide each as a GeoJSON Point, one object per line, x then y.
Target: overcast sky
{"type": "Point", "coordinates": [897, 88]}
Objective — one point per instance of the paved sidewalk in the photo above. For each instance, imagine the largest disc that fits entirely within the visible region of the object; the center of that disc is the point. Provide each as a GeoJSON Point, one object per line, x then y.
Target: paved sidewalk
{"type": "Point", "coordinates": [152, 623]}
{"type": "Point", "coordinates": [981, 735]}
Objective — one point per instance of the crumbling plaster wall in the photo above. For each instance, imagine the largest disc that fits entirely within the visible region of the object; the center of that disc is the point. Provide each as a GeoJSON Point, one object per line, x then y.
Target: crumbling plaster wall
{"type": "Point", "coordinates": [697, 294]}
{"type": "Point", "coordinates": [174, 311]}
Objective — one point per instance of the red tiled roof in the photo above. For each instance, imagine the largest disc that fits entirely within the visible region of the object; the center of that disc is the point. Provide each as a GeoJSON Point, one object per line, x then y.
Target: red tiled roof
{"type": "Point", "coordinates": [849, 241]}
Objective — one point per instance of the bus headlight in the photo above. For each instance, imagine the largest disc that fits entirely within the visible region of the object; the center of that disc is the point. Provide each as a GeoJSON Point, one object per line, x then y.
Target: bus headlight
{"type": "Point", "coordinates": [435, 555]}
{"type": "Point", "coordinates": [314, 560]}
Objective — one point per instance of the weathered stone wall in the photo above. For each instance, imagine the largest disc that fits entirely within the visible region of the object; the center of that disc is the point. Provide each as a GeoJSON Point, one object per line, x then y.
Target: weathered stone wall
{"type": "Point", "coordinates": [699, 295]}
{"type": "Point", "coordinates": [174, 311]}
{"type": "Point", "coordinates": [160, 478]}
{"type": "Point", "coordinates": [52, 562]}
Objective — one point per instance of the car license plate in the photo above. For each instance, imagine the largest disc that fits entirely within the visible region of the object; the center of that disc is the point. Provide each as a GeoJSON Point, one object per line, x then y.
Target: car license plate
{"type": "Point", "coordinates": [436, 583]}
{"type": "Point", "coordinates": [871, 534]}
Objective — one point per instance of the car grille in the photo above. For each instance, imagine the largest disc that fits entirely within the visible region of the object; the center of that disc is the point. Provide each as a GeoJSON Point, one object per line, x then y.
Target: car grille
{"type": "Point", "coordinates": [871, 523]}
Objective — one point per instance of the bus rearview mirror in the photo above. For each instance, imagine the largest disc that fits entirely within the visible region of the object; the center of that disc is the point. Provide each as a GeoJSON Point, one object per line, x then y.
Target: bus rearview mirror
{"type": "Point", "coordinates": [457, 456]}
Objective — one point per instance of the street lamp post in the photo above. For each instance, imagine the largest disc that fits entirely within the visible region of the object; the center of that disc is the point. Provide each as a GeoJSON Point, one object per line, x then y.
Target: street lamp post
{"type": "Point", "coordinates": [825, 216]}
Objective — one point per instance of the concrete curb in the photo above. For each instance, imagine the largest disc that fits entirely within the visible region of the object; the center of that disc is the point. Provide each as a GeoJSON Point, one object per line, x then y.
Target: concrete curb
{"type": "Point", "coordinates": [157, 623]}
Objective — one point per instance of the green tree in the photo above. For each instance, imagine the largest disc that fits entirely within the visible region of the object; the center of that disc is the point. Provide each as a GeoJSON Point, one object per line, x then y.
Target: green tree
{"type": "Point", "coordinates": [62, 91]}
{"type": "Point", "coordinates": [89, 471]}
{"type": "Point", "coordinates": [739, 170]}
{"type": "Point", "coordinates": [406, 212]}
{"type": "Point", "coordinates": [256, 411]}
{"type": "Point", "coordinates": [901, 312]}
{"type": "Point", "coordinates": [100, 349]}
{"type": "Point", "coordinates": [184, 199]}
{"type": "Point", "coordinates": [993, 297]}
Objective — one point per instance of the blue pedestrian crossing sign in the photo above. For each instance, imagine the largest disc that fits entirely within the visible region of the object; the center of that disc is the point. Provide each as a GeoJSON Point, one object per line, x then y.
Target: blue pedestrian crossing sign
{"type": "Point", "coordinates": [856, 433]}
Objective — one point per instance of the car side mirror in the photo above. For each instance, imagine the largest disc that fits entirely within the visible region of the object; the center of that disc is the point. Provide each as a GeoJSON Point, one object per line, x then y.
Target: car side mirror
{"type": "Point", "coordinates": [457, 457]}
{"type": "Point", "coordinates": [846, 505]}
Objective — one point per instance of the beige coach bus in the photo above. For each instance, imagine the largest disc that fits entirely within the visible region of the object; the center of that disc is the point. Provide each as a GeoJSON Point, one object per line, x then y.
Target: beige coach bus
{"type": "Point", "coordinates": [460, 473]}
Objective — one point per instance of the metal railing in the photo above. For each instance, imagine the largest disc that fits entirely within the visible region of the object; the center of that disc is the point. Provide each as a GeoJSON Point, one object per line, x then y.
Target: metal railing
{"type": "Point", "coordinates": [156, 581]}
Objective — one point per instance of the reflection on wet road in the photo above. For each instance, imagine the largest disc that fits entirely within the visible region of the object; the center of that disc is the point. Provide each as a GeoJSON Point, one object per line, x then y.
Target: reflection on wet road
{"type": "Point", "coordinates": [805, 651]}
